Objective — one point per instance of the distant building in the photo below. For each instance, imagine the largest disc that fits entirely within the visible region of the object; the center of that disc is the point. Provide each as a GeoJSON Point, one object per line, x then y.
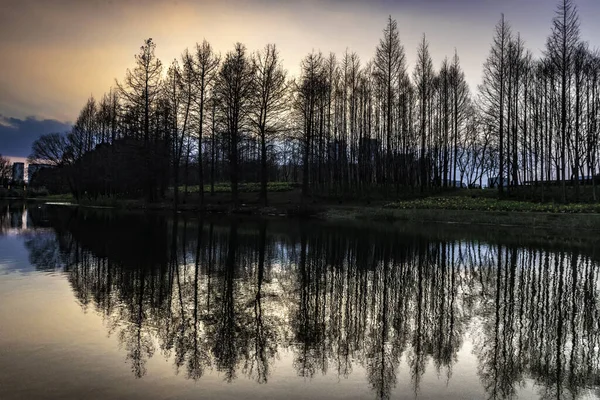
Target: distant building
{"type": "Point", "coordinates": [18, 172]}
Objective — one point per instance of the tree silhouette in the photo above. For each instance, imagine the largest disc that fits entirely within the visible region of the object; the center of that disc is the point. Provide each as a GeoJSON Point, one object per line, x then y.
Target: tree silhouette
{"type": "Point", "coordinates": [234, 87]}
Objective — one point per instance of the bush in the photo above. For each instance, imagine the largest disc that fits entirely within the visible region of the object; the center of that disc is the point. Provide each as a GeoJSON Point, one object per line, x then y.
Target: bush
{"type": "Point", "coordinates": [37, 192]}
{"type": "Point", "coordinates": [54, 180]}
{"type": "Point", "coordinates": [13, 192]}
{"type": "Point", "coordinates": [127, 168]}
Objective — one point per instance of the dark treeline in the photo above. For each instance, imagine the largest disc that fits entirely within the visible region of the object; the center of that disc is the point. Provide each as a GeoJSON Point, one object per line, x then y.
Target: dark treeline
{"type": "Point", "coordinates": [231, 297]}
{"type": "Point", "coordinates": [345, 125]}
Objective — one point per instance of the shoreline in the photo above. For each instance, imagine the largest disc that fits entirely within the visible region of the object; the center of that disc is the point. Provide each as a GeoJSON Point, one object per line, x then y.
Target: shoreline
{"type": "Point", "coordinates": [518, 228]}
{"type": "Point", "coordinates": [509, 219]}
{"type": "Point", "coordinates": [558, 222]}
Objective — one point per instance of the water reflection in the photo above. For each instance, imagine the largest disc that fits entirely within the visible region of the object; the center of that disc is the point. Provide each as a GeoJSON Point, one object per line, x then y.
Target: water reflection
{"type": "Point", "coordinates": [13, 218]}
{"type": "Point", "coordinates": [233, 296]}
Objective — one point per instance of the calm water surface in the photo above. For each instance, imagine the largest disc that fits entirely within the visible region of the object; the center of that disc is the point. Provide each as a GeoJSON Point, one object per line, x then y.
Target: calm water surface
{"type": "Point", "coordinates": [117, 306]}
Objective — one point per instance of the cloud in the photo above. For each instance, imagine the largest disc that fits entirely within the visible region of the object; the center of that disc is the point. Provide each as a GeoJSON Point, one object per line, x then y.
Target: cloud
{"type": "Point", "coordinates": [5, 122]}
{"type": "Point", "coordinates": [17, 135]}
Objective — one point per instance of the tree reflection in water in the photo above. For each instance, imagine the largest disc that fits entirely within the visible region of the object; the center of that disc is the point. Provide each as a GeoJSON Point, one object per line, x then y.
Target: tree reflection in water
{"type": "Point", "coordinates": [233, 296]}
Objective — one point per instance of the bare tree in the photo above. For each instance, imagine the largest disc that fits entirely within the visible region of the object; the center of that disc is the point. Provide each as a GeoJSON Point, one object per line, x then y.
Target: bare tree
{"type": "Point", "coordinates": [580, 60]}
{"type": "Point", "coordinates": [140, 91]}
{"type": "Point", "coordinates": [173, 99]}
{"type": "Point", "coordinates": [234, 88]}
{"type": "Point", "coordinates": [423, 80]}
{"type": "Point", "coordinates": [461, 105]}
{"type": "Point", "coordinates": [85, 134]}
{"type": "Point", "coordinates": [492, 90]}
{"type": "Point", "coordinates": [390, 66]}
{"type": "Point", "coordinates": [309, 93]}
{"type": "Point", "coordinates": [142, 85]}
{"type": "Point", "coordinates": [270, 103]}
{"type": "Point", "coordinates": [207, 62]}
{"type": "Point", "coordinates": [52, 148]}
{"type": "Point", "coordinates": [561, 47]}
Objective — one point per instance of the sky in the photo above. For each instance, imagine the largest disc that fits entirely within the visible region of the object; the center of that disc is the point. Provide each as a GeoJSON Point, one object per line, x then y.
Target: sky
{"type": "Point", "coordinates": [54, 54]}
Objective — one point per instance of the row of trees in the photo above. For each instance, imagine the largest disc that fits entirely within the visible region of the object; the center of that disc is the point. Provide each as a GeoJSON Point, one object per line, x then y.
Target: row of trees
{"type": "Point", "coordinates": [346, 126]}
{"type": "Point", "coordinates": [543, 113]}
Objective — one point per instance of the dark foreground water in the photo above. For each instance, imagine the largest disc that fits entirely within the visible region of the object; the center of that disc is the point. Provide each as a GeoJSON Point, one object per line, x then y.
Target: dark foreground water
{"type": "Point", "coordinates": [100, 305]}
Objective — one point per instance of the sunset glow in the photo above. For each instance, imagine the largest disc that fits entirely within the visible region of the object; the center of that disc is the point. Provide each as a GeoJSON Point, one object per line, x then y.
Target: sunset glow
{"type": "Point", "coordinates": [56, 53]}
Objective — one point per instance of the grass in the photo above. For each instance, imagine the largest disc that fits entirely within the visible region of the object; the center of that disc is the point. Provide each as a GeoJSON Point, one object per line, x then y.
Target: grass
{"type": "Point", "coordinates": [58, 197]}
{"type": "Point", "coordinates": [250, 187]}
{"type": "Point", "coordinates": [110, 202]}
{"type": "Point", "coordinates": [34, 194]}
{"type": "Point", "coordinates": [491, 204]}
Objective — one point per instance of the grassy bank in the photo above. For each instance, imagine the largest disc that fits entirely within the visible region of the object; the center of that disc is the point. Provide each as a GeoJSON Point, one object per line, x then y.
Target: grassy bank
{"type": "Point", "coordinates": [555, 223]}
{"type": "Point", "coordinates": [491, 204]}
{"type": "Point", "coordinates": [242, 187]}
{"type": "Point", "coordinates": [475, 208]}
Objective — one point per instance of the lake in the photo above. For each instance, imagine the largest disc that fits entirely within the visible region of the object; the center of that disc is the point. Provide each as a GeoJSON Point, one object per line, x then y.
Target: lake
{"type": "Point", "coordinates": [115, 305]}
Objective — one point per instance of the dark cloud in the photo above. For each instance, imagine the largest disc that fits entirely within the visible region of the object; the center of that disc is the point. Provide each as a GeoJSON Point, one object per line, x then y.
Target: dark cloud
{"type": "Point", "coordinates": [17, 135]}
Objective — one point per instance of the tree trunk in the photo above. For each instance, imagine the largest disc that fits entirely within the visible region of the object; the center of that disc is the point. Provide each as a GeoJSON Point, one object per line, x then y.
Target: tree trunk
{"type": "Point", "coordinates": [263, 169]}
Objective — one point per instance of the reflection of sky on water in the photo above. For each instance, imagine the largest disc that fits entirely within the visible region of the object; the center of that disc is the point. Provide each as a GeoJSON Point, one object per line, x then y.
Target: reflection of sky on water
{"type": "Point", "coordinates": [16, 227]}
{"type": "Point", "coordinates": [14, 255]}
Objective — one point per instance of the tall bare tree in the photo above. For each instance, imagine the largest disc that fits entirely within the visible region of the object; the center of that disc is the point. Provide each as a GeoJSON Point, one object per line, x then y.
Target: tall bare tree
{"type": "Point", "coordinates": [84, 135]}
{"type": "Point", "coordinates": [310, 92]}
{"type": "Point", "coordinates": [270, 103]}
{"type": "Point", "coordinates": [461, 106]}
{"type": "Point", "coordinates": [492, 90]}
{"type": "Point", "coordinates": [142, 85]}
{"type": "Point", "coordinates": [234, 88]}
{"type": "Point", "coordinates": [140, 90]}
{"type": "Point", "coordinates": [207, 63]}
{"type": "Point", "coordinates": [177, 103]}
{"type": "Point", "coordinates": [390, 66]}
{"type": "Point", "coordinates": [423, 76]}
{"type": "Point", "coordinates": [561, 47]}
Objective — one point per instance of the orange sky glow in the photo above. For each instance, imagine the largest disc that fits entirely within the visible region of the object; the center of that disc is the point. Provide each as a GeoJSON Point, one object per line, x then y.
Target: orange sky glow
{"type": "Point", "coordinates": [56, 53]}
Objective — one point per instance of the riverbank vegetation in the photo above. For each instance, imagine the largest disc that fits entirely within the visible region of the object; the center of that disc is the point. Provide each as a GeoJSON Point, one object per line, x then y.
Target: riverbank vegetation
{"type": "Point", "coordinates": [345, 129]}
{"type": "Point", "coordinates": [487, 204]}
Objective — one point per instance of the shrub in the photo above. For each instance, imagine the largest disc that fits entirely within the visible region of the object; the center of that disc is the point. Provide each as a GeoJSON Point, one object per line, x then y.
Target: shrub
{"type": "Point", "coordinates": [37, 192]}
{"type": "Point", "coordinates": [13, 192]}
